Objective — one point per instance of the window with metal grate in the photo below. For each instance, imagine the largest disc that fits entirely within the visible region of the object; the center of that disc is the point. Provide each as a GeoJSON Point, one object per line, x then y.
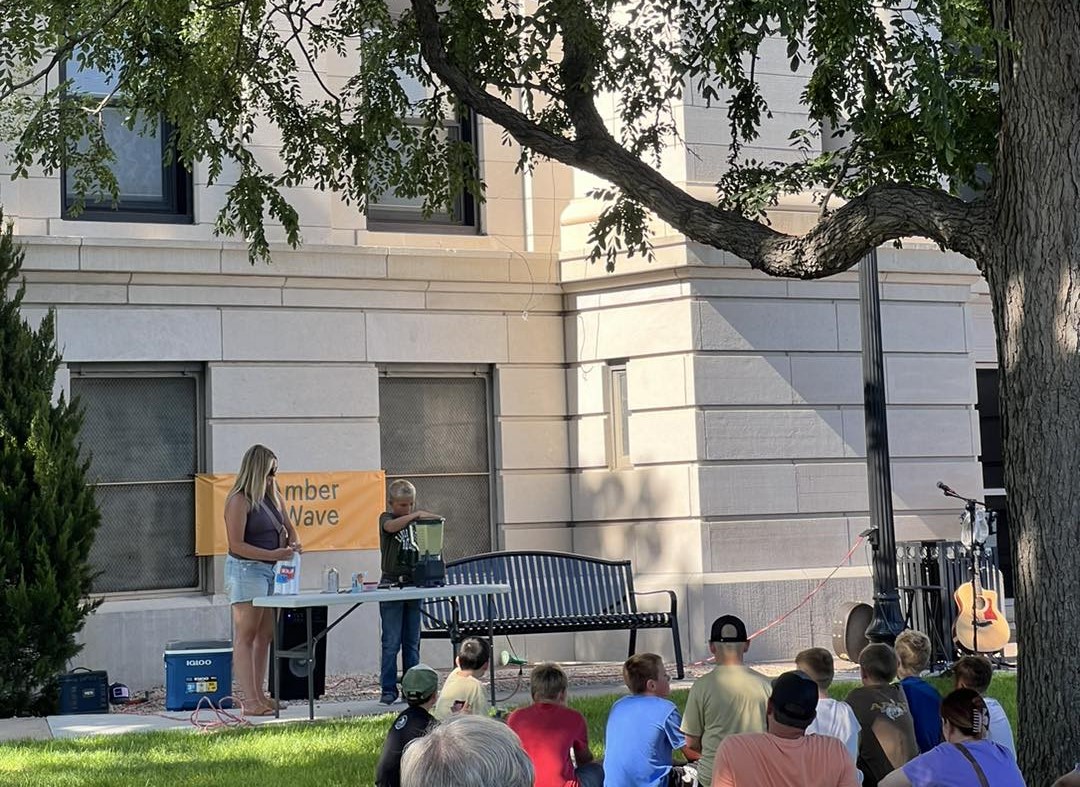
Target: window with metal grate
{"type": "Point", "coordinates": [141, 433]}
{"type": "Point", "coordinates": [435, 432]}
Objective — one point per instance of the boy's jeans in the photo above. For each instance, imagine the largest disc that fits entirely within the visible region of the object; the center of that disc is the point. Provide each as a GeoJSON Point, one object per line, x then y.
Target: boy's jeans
{"type": "Point", "coordinates": [400, 631]}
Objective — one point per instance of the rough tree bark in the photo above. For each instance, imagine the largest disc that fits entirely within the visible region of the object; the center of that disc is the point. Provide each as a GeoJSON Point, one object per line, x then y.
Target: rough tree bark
{"type": "Point", "coordinates": [1025, 237]}
{"type": "Point", "coordinates": [1034, 278]}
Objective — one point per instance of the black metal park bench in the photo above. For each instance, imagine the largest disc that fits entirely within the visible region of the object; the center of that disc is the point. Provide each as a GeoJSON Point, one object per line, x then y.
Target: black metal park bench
{"type": "Point", "coordinates": [550, 592]}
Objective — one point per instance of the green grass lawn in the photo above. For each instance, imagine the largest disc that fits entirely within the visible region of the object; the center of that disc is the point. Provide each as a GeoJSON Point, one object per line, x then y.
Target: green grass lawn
{"type": "Point", "coordinates": [292, 755]}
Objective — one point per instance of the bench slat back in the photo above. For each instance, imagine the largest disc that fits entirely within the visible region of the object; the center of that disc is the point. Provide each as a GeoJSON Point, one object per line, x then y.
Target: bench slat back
{"type": "Point", "coordinates": [543, 586]}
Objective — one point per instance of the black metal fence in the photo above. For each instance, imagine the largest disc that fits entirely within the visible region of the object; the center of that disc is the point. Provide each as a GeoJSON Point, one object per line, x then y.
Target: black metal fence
{"type": "Point", "coordinates": [928, 573]}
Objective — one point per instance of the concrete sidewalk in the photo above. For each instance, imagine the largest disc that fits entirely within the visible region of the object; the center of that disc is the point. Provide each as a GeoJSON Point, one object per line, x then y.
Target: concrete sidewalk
{"type": "Point", "coordinates": [82, 725]}
{"type": "Point", "coordinates": [132, 720]}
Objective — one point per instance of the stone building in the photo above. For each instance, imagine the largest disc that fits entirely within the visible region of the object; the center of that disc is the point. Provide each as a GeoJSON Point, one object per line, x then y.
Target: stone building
{"type": "Point", "coordinates": [689, 414]}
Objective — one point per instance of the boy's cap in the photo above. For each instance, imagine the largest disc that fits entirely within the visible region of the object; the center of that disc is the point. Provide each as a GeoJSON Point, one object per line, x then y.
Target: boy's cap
{"type": "Point", "coordinates": [728, 628]}
{"type": "Point", "coordinates": [794, 699]}
{"type": "Point", "coordinates": [419, 683]}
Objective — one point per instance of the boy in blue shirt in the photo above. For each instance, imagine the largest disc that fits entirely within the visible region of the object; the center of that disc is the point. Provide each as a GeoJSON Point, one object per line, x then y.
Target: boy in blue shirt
{"type": "Point", "coordinates": [643, 729]}
{"type": "Point", "coordinates": [913, 654]}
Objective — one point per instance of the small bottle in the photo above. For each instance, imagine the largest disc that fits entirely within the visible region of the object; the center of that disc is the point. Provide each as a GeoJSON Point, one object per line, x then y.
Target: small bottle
{"type": "Point", "coordinates": [332, 580]}
{"type": "Point", "coordinates": [287, 576]}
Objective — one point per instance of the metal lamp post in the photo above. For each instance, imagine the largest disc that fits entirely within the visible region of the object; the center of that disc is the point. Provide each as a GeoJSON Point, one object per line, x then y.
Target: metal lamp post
{"type": "Point", "coordinates": [887, 620]}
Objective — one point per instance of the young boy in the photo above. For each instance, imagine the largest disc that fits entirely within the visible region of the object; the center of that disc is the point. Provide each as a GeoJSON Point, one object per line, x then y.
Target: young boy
{"type": "Point", "coordinates": [913, 654]}
{"type": "Point", "coordinates": [463, 691]}
{"type": "Point", "coordinates": [420, 687]}
{"type": "Point", "coordinates": [975, 672]}
{"type": "Point", "coordinates": [888, 734]}
{"type": "Point", "coordinates": [549, 731]}
{"type": "Point", "coordinates": [834, 718]}
{"type": "Point", "coordinates": [400, 619]}
{"type": "Point", "coordinates": [643, 729]}
{"type": "Point", "coordinates": [728, 700]}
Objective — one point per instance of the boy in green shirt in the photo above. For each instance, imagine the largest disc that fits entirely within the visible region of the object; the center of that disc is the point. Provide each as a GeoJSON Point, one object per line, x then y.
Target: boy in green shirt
{"type": "Point", "coordinates": [729, 700]}
{"type": "Point", "coordinates": [400, 619]}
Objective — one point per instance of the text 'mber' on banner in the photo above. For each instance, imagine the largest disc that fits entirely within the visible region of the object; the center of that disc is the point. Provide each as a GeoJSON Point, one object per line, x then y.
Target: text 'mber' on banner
{"type": "Point", "coordinates": [338, 510]}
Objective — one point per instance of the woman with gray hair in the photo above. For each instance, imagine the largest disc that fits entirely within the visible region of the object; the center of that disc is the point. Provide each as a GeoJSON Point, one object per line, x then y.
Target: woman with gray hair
{"type": "Point", "coordinates": [467, 751]}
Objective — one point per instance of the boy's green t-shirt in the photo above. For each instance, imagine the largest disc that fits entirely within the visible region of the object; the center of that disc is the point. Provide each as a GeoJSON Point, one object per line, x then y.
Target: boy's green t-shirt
{"type": "Point", "coordinates": [399, 550]}
{"type": "Point", "coordinates": [727, 701]}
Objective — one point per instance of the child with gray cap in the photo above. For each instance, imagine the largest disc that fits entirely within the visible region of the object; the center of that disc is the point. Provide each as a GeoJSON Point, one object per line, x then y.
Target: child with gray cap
{"type": "Point", "coordinates": [785, 755]}
{"type": "Point", "coordinates": [420, 688]}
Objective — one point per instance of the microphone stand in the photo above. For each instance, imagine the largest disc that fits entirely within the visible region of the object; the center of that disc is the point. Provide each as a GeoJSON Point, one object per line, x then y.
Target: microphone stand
{"type": "Point", "coordinates": [974, 555]}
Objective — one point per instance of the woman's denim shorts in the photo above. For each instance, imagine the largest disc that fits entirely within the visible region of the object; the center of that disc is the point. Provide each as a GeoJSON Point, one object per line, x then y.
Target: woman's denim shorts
{"type": "Point", "coordinates": [248, 579]}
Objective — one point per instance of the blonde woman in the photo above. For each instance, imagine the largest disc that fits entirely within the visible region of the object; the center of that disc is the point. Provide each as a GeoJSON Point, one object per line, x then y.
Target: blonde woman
{"type": "Point", "coordinates": [259, 534]}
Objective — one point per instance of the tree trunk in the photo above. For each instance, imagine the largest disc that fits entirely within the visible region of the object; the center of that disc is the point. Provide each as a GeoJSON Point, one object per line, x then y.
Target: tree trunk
{"type": "Point", "coordinates": [1034, 278]}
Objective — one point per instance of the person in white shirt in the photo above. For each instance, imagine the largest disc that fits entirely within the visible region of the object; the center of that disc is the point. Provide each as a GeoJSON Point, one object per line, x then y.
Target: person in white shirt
{"type": "Point", "coordinates": [975, 672]}
{"type": "Point", "coordinates": [834, 718]}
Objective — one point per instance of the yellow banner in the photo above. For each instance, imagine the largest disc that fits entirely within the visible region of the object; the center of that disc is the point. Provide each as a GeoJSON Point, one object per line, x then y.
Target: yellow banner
{"type": "Point", "coordinates": [329, 510]}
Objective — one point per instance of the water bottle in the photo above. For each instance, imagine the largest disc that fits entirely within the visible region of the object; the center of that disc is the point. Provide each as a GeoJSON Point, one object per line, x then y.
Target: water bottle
{"type": "Point", "coordinates": [287, 576]}
{"type": "Point", "coordinates": [331, 584]}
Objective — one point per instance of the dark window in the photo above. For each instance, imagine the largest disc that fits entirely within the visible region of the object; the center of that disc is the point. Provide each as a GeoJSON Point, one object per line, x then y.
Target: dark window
{"type": "Point", "coordinates": [434, 432]}
{"type": "Point", "coordinates": [391, 211]}
{"type": "Point", "coordinates": [141, 431]}
{"type": "Point", "coordinates": [989, 409]}
{"type": "Point", "coordinates": [149, 189]}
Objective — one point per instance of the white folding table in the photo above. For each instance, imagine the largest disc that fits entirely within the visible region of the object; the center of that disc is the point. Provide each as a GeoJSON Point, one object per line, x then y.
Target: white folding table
{"type": "Point", "coordinates": [352, 601]}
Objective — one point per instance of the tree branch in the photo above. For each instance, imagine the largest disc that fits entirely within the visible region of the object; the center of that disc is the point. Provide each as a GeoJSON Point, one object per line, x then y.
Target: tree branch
{"type": "Point", "coordinates": [527, 132]}
{"type": "Point", "coordinates": [62, 51]}
{"type": "Point", "coordinates": [835, 244]}
{"type": "Point", "coordinates": [297, 32]}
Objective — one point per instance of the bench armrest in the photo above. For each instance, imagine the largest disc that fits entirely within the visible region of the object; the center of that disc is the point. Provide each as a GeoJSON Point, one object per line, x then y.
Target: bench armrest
{"type": "Point", "coordinates": [670, 594]}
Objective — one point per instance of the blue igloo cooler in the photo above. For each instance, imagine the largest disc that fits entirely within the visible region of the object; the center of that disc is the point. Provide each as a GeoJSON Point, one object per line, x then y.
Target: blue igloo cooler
{"type": "Point", "coordinates": [197, 669]}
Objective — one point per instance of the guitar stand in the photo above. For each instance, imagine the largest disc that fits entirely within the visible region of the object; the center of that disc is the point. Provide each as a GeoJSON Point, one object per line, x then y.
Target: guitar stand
{"type": "Point", "coordinates": [974, 553]}
{"type": "Point", "coordinates": [929, 596]}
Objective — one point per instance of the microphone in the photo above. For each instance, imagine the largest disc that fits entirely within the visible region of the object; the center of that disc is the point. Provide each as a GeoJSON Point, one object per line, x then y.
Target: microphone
{"type": "Point", "coordinates": [946, 488]}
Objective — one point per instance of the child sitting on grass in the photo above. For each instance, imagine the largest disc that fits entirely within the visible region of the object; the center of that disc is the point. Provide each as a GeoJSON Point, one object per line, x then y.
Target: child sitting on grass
{"type": "Point", "coordinates": [463, 692]}
{"type": "Point", "coordinates": [834, 718]}
{"type": "Point", "coordinates": [550, 731]}
{"type": "Point", "coordinates": [643, 729]}
{"type": "Point", "coordinates": [975, 672]}
{"type": "Point", "coordinates": [419, 687]}
{"type": "Point", "coordinates": [913, 654]}
{"type": "Point", "coordinates": [888, 734]}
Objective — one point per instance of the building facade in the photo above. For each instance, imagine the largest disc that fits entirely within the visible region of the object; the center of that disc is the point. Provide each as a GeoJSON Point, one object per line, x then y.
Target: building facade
{"type": "Point", "coordinates": [687, 413]}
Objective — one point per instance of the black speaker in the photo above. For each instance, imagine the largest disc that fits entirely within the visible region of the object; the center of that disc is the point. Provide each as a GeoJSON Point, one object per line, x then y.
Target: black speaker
{"type": "Point", "coordinates": [292, 633]}
{"type": "Point", "coordinates": [84, 691]}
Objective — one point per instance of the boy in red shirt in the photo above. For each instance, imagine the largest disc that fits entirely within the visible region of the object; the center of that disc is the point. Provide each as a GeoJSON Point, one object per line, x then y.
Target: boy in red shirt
{"type": "Point", "coordinates": [549, 731]}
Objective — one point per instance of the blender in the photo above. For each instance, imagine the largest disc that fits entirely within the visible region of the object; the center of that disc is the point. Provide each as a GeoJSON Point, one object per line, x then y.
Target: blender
{"type": "Point", "coordinates": [429, 571]}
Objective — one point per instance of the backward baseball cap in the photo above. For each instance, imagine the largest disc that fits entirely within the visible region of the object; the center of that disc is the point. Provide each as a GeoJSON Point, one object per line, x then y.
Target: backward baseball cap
{"type": "Point", "coordinates": [419, 683]}
{"type": "Point", "coordinates": [728, 628]}
{"type": "Point", "coordinates": [794, 699]}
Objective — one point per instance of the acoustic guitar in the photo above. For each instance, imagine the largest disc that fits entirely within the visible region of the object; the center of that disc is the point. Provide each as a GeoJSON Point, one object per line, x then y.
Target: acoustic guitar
{"type": "Point", "coordinates": [981, 627]}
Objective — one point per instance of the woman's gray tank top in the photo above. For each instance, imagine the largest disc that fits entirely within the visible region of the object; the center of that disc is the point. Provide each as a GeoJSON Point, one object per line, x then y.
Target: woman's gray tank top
{"type": "Point", "coordinates": [265, 528]}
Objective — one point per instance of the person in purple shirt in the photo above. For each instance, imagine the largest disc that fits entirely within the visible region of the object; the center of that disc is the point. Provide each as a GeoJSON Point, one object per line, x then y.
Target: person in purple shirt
{"type": "Point", "coordinates": [924, 702]}
{"type": "Point", "coordinates": [966, 757]}
{"type": "Point", "coordinates": [643, 729]}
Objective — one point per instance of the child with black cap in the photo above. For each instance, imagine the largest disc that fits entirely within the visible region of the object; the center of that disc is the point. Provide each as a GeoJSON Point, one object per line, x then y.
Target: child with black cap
{"type": "Point", "coordinates": [728, 700]}
{"type": "Point", "coordinates": [420, 688]}
{"type": "Point", "coordinates": [785, 755]}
